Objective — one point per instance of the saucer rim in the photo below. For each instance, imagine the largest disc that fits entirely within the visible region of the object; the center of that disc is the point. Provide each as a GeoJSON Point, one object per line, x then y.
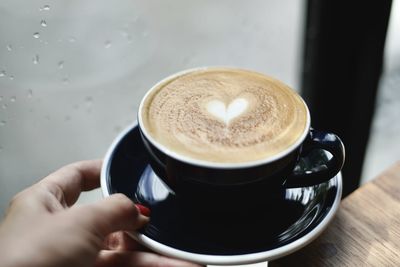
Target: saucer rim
{"type": "Point", "coordinates": [249, 258]}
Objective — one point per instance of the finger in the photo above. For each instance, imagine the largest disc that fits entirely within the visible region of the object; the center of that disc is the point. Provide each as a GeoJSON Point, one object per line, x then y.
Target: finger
{"type": "Point", "coordinates": [138, 259]}
{"type": "Point", "coordinates": [121, 241]}
{"type": "Point", "coordinates": [68, 182]}
{"type": "Point", "coordinates": [112, 214]}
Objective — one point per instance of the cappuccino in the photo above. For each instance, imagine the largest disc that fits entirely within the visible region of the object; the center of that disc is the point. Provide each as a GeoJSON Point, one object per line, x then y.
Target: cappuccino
{"type": "Point", "coordinates": [224, 115]}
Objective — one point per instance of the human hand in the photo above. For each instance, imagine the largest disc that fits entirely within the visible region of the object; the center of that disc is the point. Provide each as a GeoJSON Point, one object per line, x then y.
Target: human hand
{"type": "Point", "coordinates": [42, 228]}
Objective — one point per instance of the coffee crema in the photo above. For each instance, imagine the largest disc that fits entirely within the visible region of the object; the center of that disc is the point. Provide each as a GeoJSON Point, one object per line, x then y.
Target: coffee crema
{"type": "Point", "coordinates": [224, 115]}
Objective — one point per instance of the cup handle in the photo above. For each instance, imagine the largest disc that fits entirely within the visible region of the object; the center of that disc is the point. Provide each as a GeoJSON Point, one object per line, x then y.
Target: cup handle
{"type": "Point", "coordinates": [325, 171]}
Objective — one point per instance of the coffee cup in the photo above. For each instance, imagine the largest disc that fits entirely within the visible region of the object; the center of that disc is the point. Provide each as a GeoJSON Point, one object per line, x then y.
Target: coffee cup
{"type": "Point", "coordinates": [216, 136]}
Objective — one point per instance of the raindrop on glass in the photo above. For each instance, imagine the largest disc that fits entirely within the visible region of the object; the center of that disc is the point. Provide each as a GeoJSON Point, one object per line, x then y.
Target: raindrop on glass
{"type": "Point", "coordinates": [13, 98]}
{"type": "Point", "coordinates": [36, 35]}
{"type": "Point", "coordinates": [46, 7]}
{"type": "Point", "coordinates": [65, 80]}
{"type": "Point", "coordinates": [71, 39]}
{"type": "Point", "coordinates": [61, 64]}
{"type": "Point", "coordinates": [11, 77]}
{"type": "Point", "coordinates": [107, 44]}
{"type": "Point", "coordinates": [35, 59]}
{"type": "Point", "coordinates": [43, 23]}
{"type": "Point", "coordinates": [4, 106]}
{"type": "Point", "coordinates": [89, 104]}
{"type": "Point", "coordinates": [9, 47]}
{"type": "Point", "coordinates": [128, 37]}
{"type": "Point", "coordinates": [2, 123]}
{"type": "Point", "coordinates": [89, 100]}
{"type": "Point", "coordinates": [3, 73]}
{"type": "Point", "coordinates": [30, 93]}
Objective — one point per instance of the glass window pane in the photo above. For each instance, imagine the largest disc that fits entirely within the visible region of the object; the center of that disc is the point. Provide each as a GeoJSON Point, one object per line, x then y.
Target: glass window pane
{"type": "Point", "coordinates": [72, 72]}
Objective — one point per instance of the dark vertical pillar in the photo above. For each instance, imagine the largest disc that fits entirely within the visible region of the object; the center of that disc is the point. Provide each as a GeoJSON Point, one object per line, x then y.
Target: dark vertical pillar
{"type": "Point", "coordinates": [344, 43]}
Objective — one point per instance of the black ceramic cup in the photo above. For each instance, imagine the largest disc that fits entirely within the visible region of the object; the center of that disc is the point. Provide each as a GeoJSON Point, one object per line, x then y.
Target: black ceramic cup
{"type": "Point", "coordinates": [215, 186]}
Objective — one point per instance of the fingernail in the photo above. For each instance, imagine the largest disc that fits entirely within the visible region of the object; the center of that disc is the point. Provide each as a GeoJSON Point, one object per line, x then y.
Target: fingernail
{"type": "Point", "coordinates": [143, 210]}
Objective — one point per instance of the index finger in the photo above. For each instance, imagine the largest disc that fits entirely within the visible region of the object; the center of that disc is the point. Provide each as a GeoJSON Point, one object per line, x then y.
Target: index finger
{"type": "Point", "coordinates": [68, 182]}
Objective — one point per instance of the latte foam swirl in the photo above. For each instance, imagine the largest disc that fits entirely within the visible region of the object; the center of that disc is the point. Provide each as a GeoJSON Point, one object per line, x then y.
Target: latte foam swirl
{"type": "Point", "coordinates": [224, 115]}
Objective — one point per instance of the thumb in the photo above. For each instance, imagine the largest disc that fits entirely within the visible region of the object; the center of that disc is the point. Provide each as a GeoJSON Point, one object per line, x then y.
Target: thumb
{"type": "Point", "coordinates": [114, 213]}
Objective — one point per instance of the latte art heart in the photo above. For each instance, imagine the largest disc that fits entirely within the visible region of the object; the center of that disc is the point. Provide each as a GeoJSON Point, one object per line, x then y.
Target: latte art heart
{"type": "Point", "coordinates": [225, 113]}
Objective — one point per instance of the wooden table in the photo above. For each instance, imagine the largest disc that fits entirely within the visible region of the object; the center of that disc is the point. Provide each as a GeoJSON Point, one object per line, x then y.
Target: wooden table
{"type": "Point", "coordinates": [365, 231]}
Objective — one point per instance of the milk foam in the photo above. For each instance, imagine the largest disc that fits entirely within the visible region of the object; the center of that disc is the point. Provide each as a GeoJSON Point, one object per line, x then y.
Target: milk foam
{"type": "Point", "coordinates": [219, 109]}
{"type": "Point", "coordinates": [224, 115]}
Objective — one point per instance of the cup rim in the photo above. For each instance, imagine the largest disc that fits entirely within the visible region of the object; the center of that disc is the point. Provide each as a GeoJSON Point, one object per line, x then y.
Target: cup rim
{"type": "Point", "coordinates": [212, 164]}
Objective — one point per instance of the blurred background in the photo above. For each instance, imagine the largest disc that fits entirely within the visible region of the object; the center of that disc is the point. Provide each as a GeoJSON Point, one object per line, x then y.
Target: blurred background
{"type": "Point", "coordinates": [72, 73]}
